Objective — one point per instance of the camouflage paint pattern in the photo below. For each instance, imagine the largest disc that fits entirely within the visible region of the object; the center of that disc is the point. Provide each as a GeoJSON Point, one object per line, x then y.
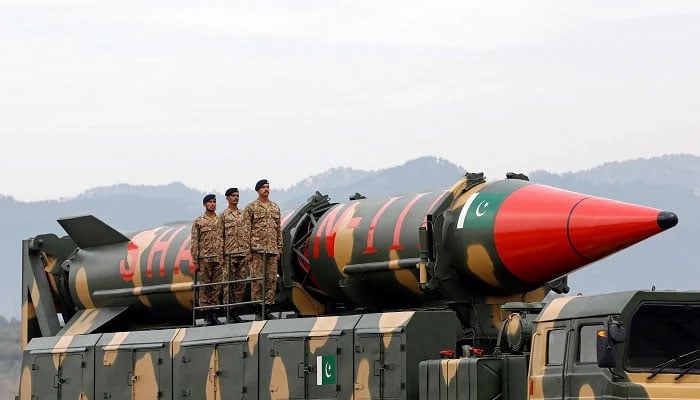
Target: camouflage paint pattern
{"type": "Point", "coordinates": [366, 252]}
{"type": "Point", "coordinates": [337, 258]}
{"type": "Point", "coordinates": [359, 356]}
{"type": "Point", "coordinates": [206, 241]}
{"type": "Point", "coordinates": [370, 354]}
{"type": "Point", "coordinates": [235, 269]}
{"type": "Point", "coordinates": [134, 365]}
{"type": "Point", "coordinates": [306, 304]}
{"type": "Point", "coordinates": [376, 238]}
{"type": "Point", "coordinates": [461, 379]}
{"type": "Point", "coordinates": [151, 274]}
{"type": "Point", "coordinates": [262, 227]}
{"type": "Point", "coordinates": [576, 379]}
{"type": "Point", "coordinates": [236, 247]}
{"type": "Point", "coordinates": [266, 264]}
{"type": "Point", "coordinates": [217, 362]}
{"type": "Point", "coordinates": [466, 246]}
{"type": "Point", "coordinates": [566, 368]}
{"type": "Point", "coordinates": [236, 241]}
{"type": "Point", "coordinates": [210, 272]}
{"type": "Point", "coordinates": [90, 320]}
{"type": "Point", "coordinates": [361, 255]}
{"type": "Point", "coordinates": [389, 346]}
{"type": "Point", "coordinates": [288, 357]}
{"type": "Point", "coordinates": [207, 251]}
{"type": "Point", "coordinates": [39, 313]}
{"type": "Point", "coordinates": [263, 230]}
{"type": "Point", "coordinates": [58, 367]}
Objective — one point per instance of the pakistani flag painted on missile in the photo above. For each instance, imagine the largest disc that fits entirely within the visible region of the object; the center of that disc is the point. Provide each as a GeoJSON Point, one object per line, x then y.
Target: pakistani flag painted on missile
{"type": "Point", "coordinates": [480, 210]}
{"type": "Point", "coordinates": [325, 370]}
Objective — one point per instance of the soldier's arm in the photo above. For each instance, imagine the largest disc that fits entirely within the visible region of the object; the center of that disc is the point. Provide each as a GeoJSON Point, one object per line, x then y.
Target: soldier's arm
{"type": "Point", "coordinates": [278, 228]}
{"type": "Point", "coordinates": [220, 236]}
{"type": "Point", "coordinates": [245, 232]}
{"type": "Point", "coordinates": [194, 241]}
{"type": "Point", "coordinates": [246, 227]}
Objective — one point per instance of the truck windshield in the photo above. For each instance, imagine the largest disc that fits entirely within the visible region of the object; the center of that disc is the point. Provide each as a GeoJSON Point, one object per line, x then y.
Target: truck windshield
{"type": "Point", "coordinates": [664, 337]}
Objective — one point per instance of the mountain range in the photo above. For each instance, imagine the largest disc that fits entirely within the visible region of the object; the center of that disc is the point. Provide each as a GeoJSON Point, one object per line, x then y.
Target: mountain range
{"type": "Point", "coordinates": [666, 261]}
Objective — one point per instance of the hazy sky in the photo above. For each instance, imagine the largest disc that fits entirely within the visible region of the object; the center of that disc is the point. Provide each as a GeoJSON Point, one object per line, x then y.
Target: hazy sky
{"type": "Point", "coordinates": [221, 93]}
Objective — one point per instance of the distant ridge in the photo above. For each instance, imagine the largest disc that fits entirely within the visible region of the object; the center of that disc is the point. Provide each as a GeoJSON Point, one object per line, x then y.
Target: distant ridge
{"type": "Point", "coordinates": [420, 174]}
{"type": "Point", "coordinates": [144, 191]}
{"type": "Point", "coordinates": [675, 169]}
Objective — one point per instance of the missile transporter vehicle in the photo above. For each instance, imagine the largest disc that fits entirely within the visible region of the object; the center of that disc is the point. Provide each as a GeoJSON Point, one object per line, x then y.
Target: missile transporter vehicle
{"type": "Point", "coordinates": [432, 295]}
{"type": "Point", "coordinates": [624, 345]}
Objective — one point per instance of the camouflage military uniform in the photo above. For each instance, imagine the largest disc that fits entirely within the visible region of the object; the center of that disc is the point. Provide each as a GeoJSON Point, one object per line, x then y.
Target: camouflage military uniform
{"type": "Point", "coordinates": [207, 253]}
{"type": "Point", "coordinates": [236, 248]}
{"type": "Point", "coordinates": [265, 237]}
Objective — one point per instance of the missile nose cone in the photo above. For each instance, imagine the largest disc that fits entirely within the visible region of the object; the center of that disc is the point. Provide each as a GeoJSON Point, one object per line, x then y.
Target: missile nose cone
{"type": "Point", "coordinates": [542, 233]}
{"type": "Point", "coordinates": [599, 227]}
{"type": "Point", "coordinates": [666, 220]}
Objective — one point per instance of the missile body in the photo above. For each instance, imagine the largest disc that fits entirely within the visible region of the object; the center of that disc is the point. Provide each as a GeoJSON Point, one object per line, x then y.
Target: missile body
{"type": "Point", "coordinates": [464, 243]}
{"type": "Point", "coordinates": [501, 238]}
{"type": "Point", "coordinates": [150, 271]}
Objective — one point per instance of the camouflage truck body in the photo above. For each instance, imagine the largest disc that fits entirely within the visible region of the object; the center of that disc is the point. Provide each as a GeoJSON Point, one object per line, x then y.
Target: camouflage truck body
{"type": "Point", "coordinates": [553, 354]}
{"type": "Point", "coordinates": [657, 355]}
{"type": "Point", "coordinates": [367, 356]}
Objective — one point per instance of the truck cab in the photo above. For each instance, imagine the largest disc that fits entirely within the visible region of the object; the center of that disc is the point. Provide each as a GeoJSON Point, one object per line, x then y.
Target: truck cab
{"type": "Point", "coordinates": [624, 345]}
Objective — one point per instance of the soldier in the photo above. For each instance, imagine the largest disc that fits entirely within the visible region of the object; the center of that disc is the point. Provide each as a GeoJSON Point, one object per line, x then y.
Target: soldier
{"type": "Point", "coordinates": [206, 248]}
{"type": "Point", "coordinates": [235, 251]}
{"type": "Point", "coordinates": [262, 219]}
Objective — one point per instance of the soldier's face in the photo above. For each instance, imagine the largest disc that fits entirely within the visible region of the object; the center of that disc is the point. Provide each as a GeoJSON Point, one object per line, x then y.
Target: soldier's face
{"type": "Point", "coordinates": [210, 205]}
{"type": "Point", "coordinates": [233, 199]}
{"type": "Point", "coordinates": [264, 190]}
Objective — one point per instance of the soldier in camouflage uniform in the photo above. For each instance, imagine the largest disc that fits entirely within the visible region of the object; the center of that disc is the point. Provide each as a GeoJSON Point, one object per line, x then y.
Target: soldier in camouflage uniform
{"type": "Point", "coordinates": [235, 251]}
{"type": "Point", "coordinates": [262, 225]}
{"type": "Point", "coordinates": [206, 247]}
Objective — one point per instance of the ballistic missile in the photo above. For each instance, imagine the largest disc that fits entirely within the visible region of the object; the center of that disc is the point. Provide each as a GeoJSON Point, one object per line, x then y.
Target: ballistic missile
{"type": "Point", "coordinates": [473, 239]}
{"type": "Point", "coordinates": [460, 245]}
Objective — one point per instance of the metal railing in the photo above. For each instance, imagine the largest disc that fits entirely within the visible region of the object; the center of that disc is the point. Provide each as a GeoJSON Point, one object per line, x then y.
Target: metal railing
{"type": "Point", "coordinates": [227, 304]}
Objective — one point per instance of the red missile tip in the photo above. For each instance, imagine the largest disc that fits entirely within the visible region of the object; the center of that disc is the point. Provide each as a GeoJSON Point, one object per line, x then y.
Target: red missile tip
{"type": "Point", "coordinates": [542, 233]}
{"type": "Point", "coordinates": [599, 227]}
{"type": "Point", "coordinates": [666, 220]}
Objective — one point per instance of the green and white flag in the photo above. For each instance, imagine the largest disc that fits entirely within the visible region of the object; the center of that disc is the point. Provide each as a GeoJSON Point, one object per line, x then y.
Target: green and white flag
{"type": "Point", "coordinates": [325, 370]}
{"type": "Point", "coordinates": [480, 210]}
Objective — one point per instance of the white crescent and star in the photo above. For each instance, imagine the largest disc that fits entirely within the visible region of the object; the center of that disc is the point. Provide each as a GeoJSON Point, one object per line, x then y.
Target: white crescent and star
{"type": "Point", "coordinates": [328, 369]}
{"type": "Point", "coordinates": [479, 212]}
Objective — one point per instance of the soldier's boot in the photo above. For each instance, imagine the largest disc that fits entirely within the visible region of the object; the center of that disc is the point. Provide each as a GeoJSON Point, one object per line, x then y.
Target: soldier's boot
{"type": "Point", "coordinates": [259, 315]}
{"type": "Point", "coordinates": [234, 318]}
{"type": "Point", "coordinates": [210, 319]}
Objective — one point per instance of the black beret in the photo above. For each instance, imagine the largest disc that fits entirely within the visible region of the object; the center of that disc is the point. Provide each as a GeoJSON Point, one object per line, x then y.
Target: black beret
{"type": "Point", "coordinates": [231, 191]}
{"type": "Point", "coordinates": [208, 197]}
{"type": "Point", "coordinates": [260, 183]}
